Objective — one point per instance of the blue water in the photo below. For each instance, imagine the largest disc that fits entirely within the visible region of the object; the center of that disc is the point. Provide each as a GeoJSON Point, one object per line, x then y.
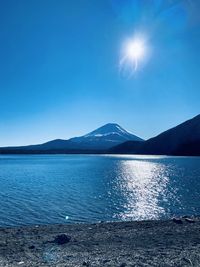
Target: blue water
{"type": "Point", "coordinates": [44, 189]}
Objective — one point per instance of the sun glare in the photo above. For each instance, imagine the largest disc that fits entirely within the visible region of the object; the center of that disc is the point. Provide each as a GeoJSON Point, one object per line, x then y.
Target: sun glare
{"type": "Point", "coordinates": [134, 52]}
{"type": "Point", "coordinates": [135, 49]}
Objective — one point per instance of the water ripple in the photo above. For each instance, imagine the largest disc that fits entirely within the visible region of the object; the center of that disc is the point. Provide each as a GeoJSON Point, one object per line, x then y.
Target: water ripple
{"type": "Point", "coordinates": [50, 188]}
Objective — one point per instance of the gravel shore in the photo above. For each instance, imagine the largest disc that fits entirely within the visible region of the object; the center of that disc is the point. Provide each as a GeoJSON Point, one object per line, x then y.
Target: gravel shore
{"type": "Point", "coordinates": [145, 243]}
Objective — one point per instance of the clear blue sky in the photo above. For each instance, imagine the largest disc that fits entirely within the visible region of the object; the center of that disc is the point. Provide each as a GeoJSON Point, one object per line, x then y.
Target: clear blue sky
{"type": "Point", "coordinates": [59, 67]}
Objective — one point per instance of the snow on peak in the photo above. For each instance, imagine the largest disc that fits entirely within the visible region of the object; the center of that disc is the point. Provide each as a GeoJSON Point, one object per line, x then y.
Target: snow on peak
{"type": "Point", "coordinates": [111, 129]}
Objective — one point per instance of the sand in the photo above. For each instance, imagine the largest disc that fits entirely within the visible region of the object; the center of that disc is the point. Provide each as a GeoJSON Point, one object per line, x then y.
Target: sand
{"type": "Point", "coordinates": [145, 243]}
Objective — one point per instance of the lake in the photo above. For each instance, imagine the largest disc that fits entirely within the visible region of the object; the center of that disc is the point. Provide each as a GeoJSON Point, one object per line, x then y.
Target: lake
{"type": "Point", "coordinates": [46, 189]}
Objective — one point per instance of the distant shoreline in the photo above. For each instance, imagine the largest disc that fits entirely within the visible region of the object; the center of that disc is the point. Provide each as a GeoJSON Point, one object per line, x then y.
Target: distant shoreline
{"type": "Point", "coordinates": [111, 138]}
{"type": "Point", "coordinates": [149, 243]}
{"type": "Point", "coordinates": [93, 154]}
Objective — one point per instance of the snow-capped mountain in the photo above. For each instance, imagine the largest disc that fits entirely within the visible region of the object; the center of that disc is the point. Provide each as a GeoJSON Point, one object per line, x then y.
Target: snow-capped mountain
{"type": "Point", "coordinates": [100, 139]}
{"type": "Point", "coordinates": [105, 137]}
{"type": "Point", "coordinates": [112, 129]}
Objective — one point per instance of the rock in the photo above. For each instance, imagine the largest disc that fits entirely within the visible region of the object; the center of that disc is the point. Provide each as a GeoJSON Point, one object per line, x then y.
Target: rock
{"type": "Point", "coordinates": [106, 261]}
{"type": "Point", "coordinates": [177, 220]}
{"type": "Point", "coordinates": [62, 239]}
{"type": "Point", "coordinates": [86, 263]}
{"type": "Point", "coordinates": [188, 261]}
{"type": "Point", "coordinates": [185, 216]}
{"type": "Point", "coordinates": [189, 220]}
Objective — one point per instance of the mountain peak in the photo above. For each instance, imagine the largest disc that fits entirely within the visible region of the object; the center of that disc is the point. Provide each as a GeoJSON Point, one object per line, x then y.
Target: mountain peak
{"type": "Point", "coordinates": [112, 131]}
{"type": "Point", "coordinates": [106, 129]}
{"type": "Point", "coordinates": [111, 124]}
{"type": "Point", "coordinates": [109, 127]}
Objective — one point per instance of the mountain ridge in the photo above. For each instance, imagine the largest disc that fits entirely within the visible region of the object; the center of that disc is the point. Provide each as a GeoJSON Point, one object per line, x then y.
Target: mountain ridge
{"type": "Point", "coordinates": [100, 139]}
{"type": "Point", "coordinates": [183, 139]}
{"type": "Point", "coordinates": [170, 142]}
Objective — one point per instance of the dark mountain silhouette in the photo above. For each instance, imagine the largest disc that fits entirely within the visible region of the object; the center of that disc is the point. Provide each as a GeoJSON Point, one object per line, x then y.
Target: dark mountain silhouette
{"type": "Point", "coordinates": [189, 149]}
{"type": "Point", "coordinates": [99, 140]}
{"type": "Point", "coordinates": [129, 147]}
{"type": "Point", "coordinates": [183, 139]}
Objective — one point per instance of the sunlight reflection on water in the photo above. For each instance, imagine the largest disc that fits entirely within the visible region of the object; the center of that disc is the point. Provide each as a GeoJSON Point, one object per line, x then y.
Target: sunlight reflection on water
{"type": "Point", "coordinates": [143, 184]}
{"type": "Point", "coordinates": [46, 189]}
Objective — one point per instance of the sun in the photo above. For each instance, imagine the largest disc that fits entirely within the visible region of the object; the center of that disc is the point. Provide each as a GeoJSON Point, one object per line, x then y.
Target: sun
{"type": "Point", "coordinates": [134, 53]}
{"type": "Point", "coordinates": [135, 49]}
